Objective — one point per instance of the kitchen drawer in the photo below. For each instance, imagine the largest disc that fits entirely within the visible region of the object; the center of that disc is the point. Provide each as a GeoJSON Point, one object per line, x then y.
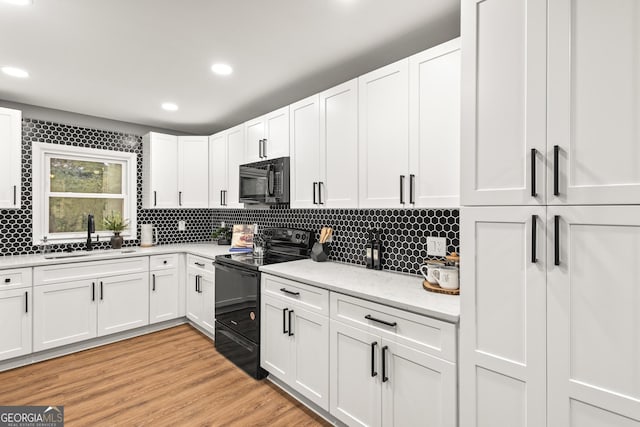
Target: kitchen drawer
{"type": "Point", "coordinates": [422, 333]}
{"type": "Point", "coordinates": [15, 279]}
{"type": "Point", "coordinates": [205, 264]}
{"type": "Point", "coordinates": [309, 297]}
{"type": "Point", "coordinates": [60, 273]}
{"type": "Point", "coordinates": [162, 262]}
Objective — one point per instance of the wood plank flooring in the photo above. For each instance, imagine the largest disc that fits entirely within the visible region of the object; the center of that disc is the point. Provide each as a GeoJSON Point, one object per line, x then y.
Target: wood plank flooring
{"type": "Point", "coordinates": [173, 377]}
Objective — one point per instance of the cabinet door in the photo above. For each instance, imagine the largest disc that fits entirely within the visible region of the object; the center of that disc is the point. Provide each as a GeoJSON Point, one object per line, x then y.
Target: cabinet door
{"type": "Point", "coordinates": [417, 389]}
{"type": "Point", "coordinates": [194, 301]}
{"type": "Point", "coordinates": [503, 102]}
{"type": "Point", "coordinates": [339, 146]}
{"type": "Point", "coordinates": [15, 317]}
{"type": "Point", "coordinates": [254, 134]}
{"type": "Point", "coordinates": [355, 396]}
{"type": "Point", "coordinates": [217, 169]}
{"type": "Point", "coordinates": [594, 102]}
{"type": "Point", "coordinates": [235, 150]}
{"type": "Point", "coordinates": [305, 152]}
{"type": "Point", "coordinates": [11, 159]}
{"type": "Point", "coordinates": [502, 332]}
{"type": "Point", "coordinates": [123, 303]}
{"type": "Point", "coordinates": [593, 327]}
{"type": "Point", "coordinates": [64, 313]}
{"type": "Point", "coordinates": [276, 134]}
{"type": "Point", "coordinates": [207, 293]}
{"type": "Point", "coordinates": [162, 171]}
{"type": "Point", "coordinates": [310, 356]}
{"type": "Point", "coordinates": [164, 296]}
{"type": "Point", "coordinates": [193, 172]}
{"type": "Point", "coordinates": [275, 342]}
{"type": "Point", "coordinates": [434, 135]}
{"type": "Point", "coordinates": [384, 136]}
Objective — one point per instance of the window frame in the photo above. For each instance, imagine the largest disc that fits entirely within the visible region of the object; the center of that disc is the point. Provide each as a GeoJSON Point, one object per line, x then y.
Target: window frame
{"type": "Point", "coordinates": [42, 152]}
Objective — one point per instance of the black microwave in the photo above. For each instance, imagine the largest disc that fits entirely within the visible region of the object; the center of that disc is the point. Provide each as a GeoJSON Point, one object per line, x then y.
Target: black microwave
{"type": "Point", "coordinates": [265, 182]}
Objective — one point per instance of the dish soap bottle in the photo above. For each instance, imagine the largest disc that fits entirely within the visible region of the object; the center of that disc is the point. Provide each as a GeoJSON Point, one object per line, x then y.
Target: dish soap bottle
{"type": "Point", "coordinates": [377, 251]}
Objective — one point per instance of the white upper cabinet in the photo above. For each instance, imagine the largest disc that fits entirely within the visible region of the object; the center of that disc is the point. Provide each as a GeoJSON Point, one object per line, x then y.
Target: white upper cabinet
{"type": "Point", "coordinates": [594, 102]}
{"type": "Point", "coordinates": [193, 171]}
{"type": "Point", "coordinates": [305, 152]}
{"type": "Point", "coordinates": [383, 143]}
{"type": "Point", "coordinates": [434, 126]}
{"type": "Point", "coordinates": [338, 179]}
{"type": "Point", "coordinates": [267, 137]}
{"type": "Point", "coordinates": [10, 161]}
{"type": "Point", "coordinates": [226, 154]}
{"type": "Point", "coordinates": [503, 102]}
{"type": "Point", "coordinates": [160, 171]}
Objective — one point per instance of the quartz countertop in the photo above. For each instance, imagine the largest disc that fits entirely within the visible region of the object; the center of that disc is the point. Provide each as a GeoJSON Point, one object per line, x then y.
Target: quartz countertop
{"type": "Point", "coordinates": [393, 289]}
{"type": "Point", "coordinates": [207, 250]}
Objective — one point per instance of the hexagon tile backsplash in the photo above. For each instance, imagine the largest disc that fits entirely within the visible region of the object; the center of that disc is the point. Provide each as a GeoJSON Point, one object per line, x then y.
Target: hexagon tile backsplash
{"type": "Point", "coordinates": [403, 231]}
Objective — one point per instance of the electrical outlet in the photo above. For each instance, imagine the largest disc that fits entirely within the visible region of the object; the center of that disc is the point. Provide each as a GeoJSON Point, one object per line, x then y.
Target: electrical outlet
{"type": "Point", "coordinates": [436, 246]}
{"type": "Point", "coordinates": [182, 225]}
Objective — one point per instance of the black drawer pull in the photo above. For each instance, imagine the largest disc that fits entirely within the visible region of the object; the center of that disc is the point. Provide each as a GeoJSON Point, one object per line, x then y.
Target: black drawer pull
{"type": "Point", "coordinates": [290, 326]}
{"type": "Point", "coordinates": [153, 276]}
{"type": "Point", "coordinates": [385, 378]}
{"type": "Point", "coordinates": [26, 301]}
{"type": "Point", "coordinates": [556, 240]}
{"type": "Point", "coordinates": [373, 358]}
{"type": "Point", "coordinates": [93, 291]}
{"type": "Point", "coordinates": [7, 280]}
{"type": "Point", "coordinates": [384, 322]}
{"type": "Point", "coordinates": [534, 153]}
{"type": "Point", "coordinates": [164, 262]}
{"type": "Point", "coordinates": [556, 170]}
{"type": "Point", "coordinates": [199, 264]}
{"type": "Point", "coordinates": [286, 291]}
{"type": "Point", "coordinates": [534, 236]}
{"type": "Point", "coordinates": [284, 320]}
{"type": "Point", "coordinates": [101, 292]}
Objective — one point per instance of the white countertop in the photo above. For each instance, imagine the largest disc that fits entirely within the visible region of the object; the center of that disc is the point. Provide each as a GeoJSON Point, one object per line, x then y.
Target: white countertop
{"type": "Point", "coordinates": [396, 290]}
{"type": "Point", "coordinates": [208, 250]}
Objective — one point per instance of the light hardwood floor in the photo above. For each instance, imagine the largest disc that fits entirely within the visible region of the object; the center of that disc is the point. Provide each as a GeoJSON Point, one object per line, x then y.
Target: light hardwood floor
{"type": "Point", "coordinates": [173, 377]}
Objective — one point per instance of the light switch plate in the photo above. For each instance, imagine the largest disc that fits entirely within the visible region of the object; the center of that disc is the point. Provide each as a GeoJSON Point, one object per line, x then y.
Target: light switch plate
{"type": "Point", "coordinates": [182, 225]}
{"type": "Point", "coordinates": [436, 246]}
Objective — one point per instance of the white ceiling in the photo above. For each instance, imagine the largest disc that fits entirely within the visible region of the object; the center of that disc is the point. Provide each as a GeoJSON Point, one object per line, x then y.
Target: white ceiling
{"type": "Point", "coordinates": [120, 59]}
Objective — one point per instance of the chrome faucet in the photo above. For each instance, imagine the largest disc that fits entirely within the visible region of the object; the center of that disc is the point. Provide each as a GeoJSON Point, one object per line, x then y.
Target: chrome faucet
{"type": "Point", "coordinates": [91, 228]}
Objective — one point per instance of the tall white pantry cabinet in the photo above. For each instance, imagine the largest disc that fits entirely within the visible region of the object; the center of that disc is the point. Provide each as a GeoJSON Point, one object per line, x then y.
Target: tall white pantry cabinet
{"type": "Point", "coordinates": [550, 224]}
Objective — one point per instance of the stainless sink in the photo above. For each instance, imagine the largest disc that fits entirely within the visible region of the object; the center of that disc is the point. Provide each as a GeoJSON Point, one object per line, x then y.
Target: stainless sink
{"type": "Point", "coordinates": [80, 254]}
{"type": "Point", "coordinates": [67, 255]}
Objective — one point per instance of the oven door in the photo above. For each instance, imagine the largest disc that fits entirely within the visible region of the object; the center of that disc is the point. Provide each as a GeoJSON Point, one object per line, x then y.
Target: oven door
{"type": "Point", "coordinates": [237, 300]}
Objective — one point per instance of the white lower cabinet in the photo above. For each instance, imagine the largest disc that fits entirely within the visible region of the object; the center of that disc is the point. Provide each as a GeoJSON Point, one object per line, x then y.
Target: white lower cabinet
{"type": "Point", "coordinates": [15, 313]}
{"type": "Point", "coordinates": [79, 301]}
{"type": "Point", "coordinates": [295, 336]}
{"type": "Point", "coordinates": [166, 297]}
{"type": "Point", "coordinates": [200, 291]}
{"type": "Point", "coordinates": [390, 367]}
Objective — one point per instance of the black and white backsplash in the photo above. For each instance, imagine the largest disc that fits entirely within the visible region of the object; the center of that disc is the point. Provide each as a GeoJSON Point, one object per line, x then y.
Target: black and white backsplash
{"type": "Point", "coordinates": [403, 231]}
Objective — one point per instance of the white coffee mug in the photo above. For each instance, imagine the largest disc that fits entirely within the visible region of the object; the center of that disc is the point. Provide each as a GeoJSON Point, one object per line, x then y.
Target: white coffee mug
{"type": "Point", "coordinates": [447, 277]}
{"type": "Point", "coordinates": [427, 271]}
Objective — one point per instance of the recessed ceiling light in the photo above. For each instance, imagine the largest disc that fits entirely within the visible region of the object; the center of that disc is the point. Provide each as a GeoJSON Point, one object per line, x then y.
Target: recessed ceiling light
{"type": "Point", "coordinates": [19, 2]}
{"type": "Point", "coordinates": [169, 106]}
{"type": "Point", "coordinates": [222, 69]}
{"type": "Point", "coordinates": [15, 72]}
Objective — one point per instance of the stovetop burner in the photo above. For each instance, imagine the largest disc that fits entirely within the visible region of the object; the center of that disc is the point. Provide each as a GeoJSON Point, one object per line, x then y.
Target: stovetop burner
{"type": "Point", "coordinates": [248, 260]}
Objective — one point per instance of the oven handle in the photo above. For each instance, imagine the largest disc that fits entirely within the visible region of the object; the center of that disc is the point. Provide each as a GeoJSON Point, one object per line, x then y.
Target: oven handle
{"type": "Point", "coordinates": [235, 270]}
{"type": "Point", "coordinates": [234, 339]}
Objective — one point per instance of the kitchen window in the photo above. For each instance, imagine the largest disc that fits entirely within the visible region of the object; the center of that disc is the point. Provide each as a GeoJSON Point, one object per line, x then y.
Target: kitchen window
{"type": "Point", "coordinates": [69, 183]}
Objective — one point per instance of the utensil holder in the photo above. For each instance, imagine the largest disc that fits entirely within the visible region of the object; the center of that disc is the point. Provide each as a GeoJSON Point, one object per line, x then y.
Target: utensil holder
{"type": "Point", "coordinates": [320, 251]}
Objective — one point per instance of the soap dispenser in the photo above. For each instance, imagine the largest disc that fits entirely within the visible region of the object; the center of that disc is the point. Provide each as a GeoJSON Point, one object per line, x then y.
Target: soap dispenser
{"type": "Point", "coordinates": [377, 250]}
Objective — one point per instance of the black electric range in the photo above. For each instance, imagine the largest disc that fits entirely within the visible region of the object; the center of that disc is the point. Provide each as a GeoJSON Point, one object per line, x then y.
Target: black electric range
{"type": "Point", "coordinates": [237, 296]}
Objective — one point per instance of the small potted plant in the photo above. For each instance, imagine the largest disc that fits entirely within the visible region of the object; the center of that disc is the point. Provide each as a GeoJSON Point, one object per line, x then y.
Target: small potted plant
{"type": "Point", "coordinates": [117, 224]}
{"type": "Point", "coordinates": [223, 234]}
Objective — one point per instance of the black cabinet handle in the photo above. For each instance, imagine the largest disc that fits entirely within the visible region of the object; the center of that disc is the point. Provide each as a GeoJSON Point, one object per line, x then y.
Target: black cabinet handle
{"type": "Point", "coordinates": [373, 358]}
{"type": "Point", "coordinates": [556, 170]}
{"type": "Point", "coordinates": [412, 189]}
{"type": "Point", "coordinates": [26, 301]}
{"type": "Point", "coordinates": [101, 292]}
{"type": "Point", "coordinates": [224, 193]}
{"type": "Point", "coordinates": [264, 148]}
{"type": "Point", "coordinates": [153, 277]}
{"type": "Point", "coordinates": [260, 148]}
{"type": "Point", "coordinates": [93, 291]}
{"type": "Point", "coordinates": [290, 325]}
{"type": "Point", "coordinates": [534, 236]}
{"type": "Point", "coordinates": [164, 262]}
{"type": "Point", "coordinates": [534, 154]}
{"type": "Point", "coordinates": [155, 198]}
{"type": "Point", "coordinates": [320, 202]}
{"type": "Point", "coordinates": [196, 277]}
{"type": "Point", "coordinates": [384, 322]}
{"type": "Point", "coordinates": [179, 198]}
{"type": "Point", "coordinates": [314, 193]}
{"type": "Point", "coordinates": [402, 189]}
{"type": "Point", "coordinates": [7, 280]}
{"type": "Point", "coordinates": [284, 320]}
{"type": "Point", "coordinates": [199, 264]}
{"type": "Point", "coordinates": [286, 291]}
{"type": "Point", "coordinates": [15, 195]}
{"type": "Point", "coordinates": [385, 378]}
{"type": "Point", "coordinates": [221, 204]}
{"type": "Point", "coordinates": [556, 239]}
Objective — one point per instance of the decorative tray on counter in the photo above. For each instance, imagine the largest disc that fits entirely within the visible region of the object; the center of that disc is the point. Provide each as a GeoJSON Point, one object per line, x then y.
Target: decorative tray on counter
{"type": "Point", "coordinates": [431, 287]}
